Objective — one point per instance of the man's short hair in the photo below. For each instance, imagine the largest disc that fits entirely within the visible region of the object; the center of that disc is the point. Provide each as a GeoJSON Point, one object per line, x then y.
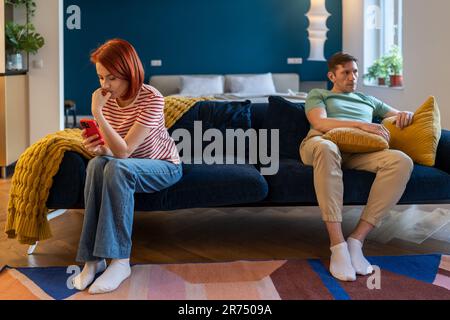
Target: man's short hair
{"type": "Point", "coordinates": [339, 58]}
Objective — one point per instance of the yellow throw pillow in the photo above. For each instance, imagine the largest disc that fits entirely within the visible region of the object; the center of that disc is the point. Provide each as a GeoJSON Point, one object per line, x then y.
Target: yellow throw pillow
{"type": "Point", "coordinates": [419, 140]}
{"type": "Point", "coordinates": [352, 140]}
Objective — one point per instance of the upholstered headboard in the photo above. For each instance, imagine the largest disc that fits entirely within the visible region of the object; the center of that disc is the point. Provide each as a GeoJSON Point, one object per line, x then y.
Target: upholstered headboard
{"type": "Point", "coordinates": [171, 84]}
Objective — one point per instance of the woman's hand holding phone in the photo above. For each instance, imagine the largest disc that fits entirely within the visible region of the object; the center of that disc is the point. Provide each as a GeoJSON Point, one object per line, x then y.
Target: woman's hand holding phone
{"type": "Point", "coordinates": [94, 145]}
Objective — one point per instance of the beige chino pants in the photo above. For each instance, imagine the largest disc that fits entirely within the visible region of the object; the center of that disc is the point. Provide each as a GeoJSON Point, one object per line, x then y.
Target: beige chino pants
{"type": "Point", "coordinates": [392, 167]}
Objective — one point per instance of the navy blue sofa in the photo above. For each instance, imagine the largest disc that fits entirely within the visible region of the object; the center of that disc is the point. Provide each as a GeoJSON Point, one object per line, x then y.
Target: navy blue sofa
{"type": "Point", "coordinates": [221, 185]}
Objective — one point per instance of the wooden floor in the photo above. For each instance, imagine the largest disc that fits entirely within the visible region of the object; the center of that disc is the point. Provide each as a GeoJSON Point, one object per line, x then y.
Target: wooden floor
{"type": "Point", "coordinates": [200, 235]}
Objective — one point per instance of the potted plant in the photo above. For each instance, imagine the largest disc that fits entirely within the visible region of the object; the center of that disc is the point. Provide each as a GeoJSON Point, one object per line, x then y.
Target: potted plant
{"type": "Point", "coordinates": [377, 71]}
{"type": "Point", "coordinates": [21, 38]}
{"type": "Point", "coordinates": [394, 64]}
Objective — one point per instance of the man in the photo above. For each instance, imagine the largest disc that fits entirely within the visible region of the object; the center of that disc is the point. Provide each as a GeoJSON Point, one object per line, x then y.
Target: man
{"type": "Point", "coordinates": [344, 107]}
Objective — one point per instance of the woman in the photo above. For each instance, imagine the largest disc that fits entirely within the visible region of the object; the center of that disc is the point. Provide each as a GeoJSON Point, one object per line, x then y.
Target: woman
{"type": "Point", "coordinates": [138, 155]}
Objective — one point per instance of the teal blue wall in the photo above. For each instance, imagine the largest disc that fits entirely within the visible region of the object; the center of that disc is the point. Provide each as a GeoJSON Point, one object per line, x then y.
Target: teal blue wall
{"type": "Point", "coordinates": [197, 36]}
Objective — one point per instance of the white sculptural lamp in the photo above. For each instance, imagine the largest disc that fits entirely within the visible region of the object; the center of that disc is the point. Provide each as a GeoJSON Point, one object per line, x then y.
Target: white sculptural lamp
{"type": "Point", "coordinates": [317, 30]}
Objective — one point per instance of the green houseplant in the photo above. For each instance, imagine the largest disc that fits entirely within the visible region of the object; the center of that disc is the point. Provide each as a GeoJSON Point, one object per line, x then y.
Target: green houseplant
{"type": "Point", "coordinates": [377, 71]}
{"type": "Point", "coordinates": [394, 64]}
{"type": "Point", "coordinates": [21, 38]}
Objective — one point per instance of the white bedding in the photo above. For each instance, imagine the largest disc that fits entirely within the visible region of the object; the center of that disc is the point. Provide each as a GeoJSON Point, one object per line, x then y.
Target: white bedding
{"type": "Point", "coordinates": [298, 98]}
{"type": "Point", "coordinates": [172, 84]}
{"type": "Point", "coordinates": [286, 85]}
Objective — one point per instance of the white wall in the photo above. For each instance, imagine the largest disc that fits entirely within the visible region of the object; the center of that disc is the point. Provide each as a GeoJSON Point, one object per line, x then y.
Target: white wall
{"type": "Point", "coordinates": [47, 84]}
{"type": "Point", "coordinates": [426, 52]}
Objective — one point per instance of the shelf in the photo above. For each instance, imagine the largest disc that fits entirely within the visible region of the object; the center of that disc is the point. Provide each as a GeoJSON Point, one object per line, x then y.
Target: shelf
{"type": "Point", "coordinates": [14, 119]}
{"type": "Point", "coordinates": [383, 87]}
{"type": "Point", "coordinates": [14, 91]}
{"type": "Point", "coordinates": [14, 73]}
{"type": "Point", "coordinates": [18, 15]}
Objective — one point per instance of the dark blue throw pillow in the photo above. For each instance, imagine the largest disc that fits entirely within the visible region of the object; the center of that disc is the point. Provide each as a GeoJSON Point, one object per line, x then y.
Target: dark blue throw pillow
{"type": "Point", "coordinates": [290, 119]}
{"type": "Point", "coordinates": [216, 115]}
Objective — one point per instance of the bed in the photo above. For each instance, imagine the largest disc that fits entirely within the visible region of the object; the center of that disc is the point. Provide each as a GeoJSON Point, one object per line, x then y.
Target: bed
{"type": "Point", "coordinates": [254, 87]}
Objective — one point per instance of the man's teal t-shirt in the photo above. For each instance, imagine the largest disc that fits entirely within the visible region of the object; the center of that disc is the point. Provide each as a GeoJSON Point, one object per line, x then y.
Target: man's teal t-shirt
{"type": "Point", "coordinates": [346, 106]}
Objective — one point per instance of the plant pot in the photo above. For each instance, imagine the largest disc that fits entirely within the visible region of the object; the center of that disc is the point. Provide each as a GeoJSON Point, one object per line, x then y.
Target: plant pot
{"type": "Point", "coordinates": [381, 81]}
{"type": "Point", "coordinates": [396, 80]}
{"type": "Point", "coordinates": [14, 62]}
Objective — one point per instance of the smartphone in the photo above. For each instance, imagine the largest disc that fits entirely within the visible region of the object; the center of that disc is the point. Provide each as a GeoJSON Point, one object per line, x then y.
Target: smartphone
{"type": "Point", "coordinates": [92, 129]}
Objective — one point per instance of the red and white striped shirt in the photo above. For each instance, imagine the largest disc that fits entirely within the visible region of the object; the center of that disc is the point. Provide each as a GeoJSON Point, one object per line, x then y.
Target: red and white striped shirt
{"type": "Point", "coordinates": [147, 110]}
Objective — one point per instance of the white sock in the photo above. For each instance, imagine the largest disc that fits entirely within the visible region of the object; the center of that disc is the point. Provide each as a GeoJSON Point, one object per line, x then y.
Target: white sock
{"type": "Point", "coordinates": [341, 264]}
{"type": "Point", "coordinates": [110, 280]}
{"type": "Point", "coordinates": [90, 269]}
{"type": "Point", "coordinates": [359, 262]}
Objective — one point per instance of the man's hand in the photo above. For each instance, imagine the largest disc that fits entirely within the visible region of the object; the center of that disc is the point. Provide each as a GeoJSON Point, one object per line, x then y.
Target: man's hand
{"type": "Point", "coordinates": [99, 99]}
{"type": "Point", "coordinates": [404, 119]}
{"type": "Point", "coordinates": [376, 129]}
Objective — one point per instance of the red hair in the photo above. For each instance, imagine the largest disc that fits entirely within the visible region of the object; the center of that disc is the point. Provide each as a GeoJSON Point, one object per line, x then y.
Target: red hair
{"type": "Point", "coordinates": [122, 60]}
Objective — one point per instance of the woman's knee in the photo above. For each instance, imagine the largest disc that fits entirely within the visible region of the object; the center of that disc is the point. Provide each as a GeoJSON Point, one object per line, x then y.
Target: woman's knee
{"type": "Point", "coordinates": [116, 169]}
{"type": "Point", "coordinates": [95, 164]}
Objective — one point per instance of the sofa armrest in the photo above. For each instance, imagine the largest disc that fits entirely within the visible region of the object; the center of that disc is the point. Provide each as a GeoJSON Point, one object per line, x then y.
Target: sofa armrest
{"type": "Point", "coordinates": [443, 152]}
{"type": "Point", "coordinates": [68, 183]}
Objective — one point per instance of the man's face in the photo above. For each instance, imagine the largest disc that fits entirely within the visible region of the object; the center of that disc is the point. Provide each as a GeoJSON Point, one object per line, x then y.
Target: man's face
{"type": "Point", "coordinates": [345, 77]}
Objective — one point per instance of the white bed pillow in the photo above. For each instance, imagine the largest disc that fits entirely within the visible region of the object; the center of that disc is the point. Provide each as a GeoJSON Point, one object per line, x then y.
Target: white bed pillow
{"type": "Point", "coordinates": [201, 86]}
{"type": "Point", "coordinates": [251, 84]}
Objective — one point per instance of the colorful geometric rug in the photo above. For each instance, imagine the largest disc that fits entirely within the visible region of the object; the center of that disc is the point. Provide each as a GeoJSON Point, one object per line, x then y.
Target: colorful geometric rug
{"type": "Point", "coordinates": [400, 277]}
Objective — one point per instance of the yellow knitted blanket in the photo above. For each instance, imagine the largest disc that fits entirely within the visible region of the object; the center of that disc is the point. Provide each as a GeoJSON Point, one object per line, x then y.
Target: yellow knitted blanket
{"type": "Point", "coordinates": [31, 183]}
{"type": "Point", "coordinates": [176, 107]}
{"type": "Point", "coordinates": [33, 177]}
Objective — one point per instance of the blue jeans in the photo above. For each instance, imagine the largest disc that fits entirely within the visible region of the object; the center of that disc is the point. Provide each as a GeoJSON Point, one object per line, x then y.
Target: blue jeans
{"type": "Point", "coordinates": [109, 202]}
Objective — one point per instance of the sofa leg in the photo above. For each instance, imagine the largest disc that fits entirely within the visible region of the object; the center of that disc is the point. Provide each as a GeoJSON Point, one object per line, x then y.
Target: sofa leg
{"type": "Point", "coordinates": [55, 214]}
{"type": "Point", "coordinates": [31, 248]}
{"type": "Point", "coordinates": [51, 215]}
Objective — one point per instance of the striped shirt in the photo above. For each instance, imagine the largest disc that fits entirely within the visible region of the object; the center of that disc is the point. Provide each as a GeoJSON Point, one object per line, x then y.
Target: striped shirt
{"type": "Point", "coordinates": [147, 110]}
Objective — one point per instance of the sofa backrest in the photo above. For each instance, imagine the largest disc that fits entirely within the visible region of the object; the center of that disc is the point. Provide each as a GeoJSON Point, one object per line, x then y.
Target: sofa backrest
{"type": "Point", "coordinates": [288, 117]}
{"type": "Point", "coordinates": [205, 115]}
{"type": "Point", "coordinates": [258, 115]}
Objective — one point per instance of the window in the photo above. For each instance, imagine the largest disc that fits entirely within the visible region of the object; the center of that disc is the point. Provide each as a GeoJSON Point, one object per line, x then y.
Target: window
{"type": "Point", "coordinates": [382, 41]}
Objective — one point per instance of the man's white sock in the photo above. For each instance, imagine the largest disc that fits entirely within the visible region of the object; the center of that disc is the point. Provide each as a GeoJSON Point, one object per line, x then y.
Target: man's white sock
{"type": "Point", "coordinates": [86, 276]}
{"type": "Point", "coordinates": [340, 264]}
{"type": "Point", "coordinates": [359, 262]}
{"type": "Point", "coordinates": [110, 280]}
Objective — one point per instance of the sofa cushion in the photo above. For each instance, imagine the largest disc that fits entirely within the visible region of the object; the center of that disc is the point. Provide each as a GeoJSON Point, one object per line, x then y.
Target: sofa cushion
{"type": "Point", "coordinates": [294, 184]}
{"type": "Point", "coordinates": [68, 183]}
{"type": "Point", "coordinates": [290, 119]}
{"type": "Point", "coordinates": [355, 140]}
{"type": "Point", "coordinates": [213, 115]}
{"type": "Point", "coordinates": [427, 184]}
{"type": "Point", "coordinates": [421, 139]}
{"type": "Point", "coordinates": [208, 186]}
{"type": "Point", "coordinates": [258, 116]}
{"type": "Point", "coordinates": [217, 114]}
{"type": "Point", "coordinates": [201, 186]}
{"type": "Point", "coordinates": [443, 152]}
